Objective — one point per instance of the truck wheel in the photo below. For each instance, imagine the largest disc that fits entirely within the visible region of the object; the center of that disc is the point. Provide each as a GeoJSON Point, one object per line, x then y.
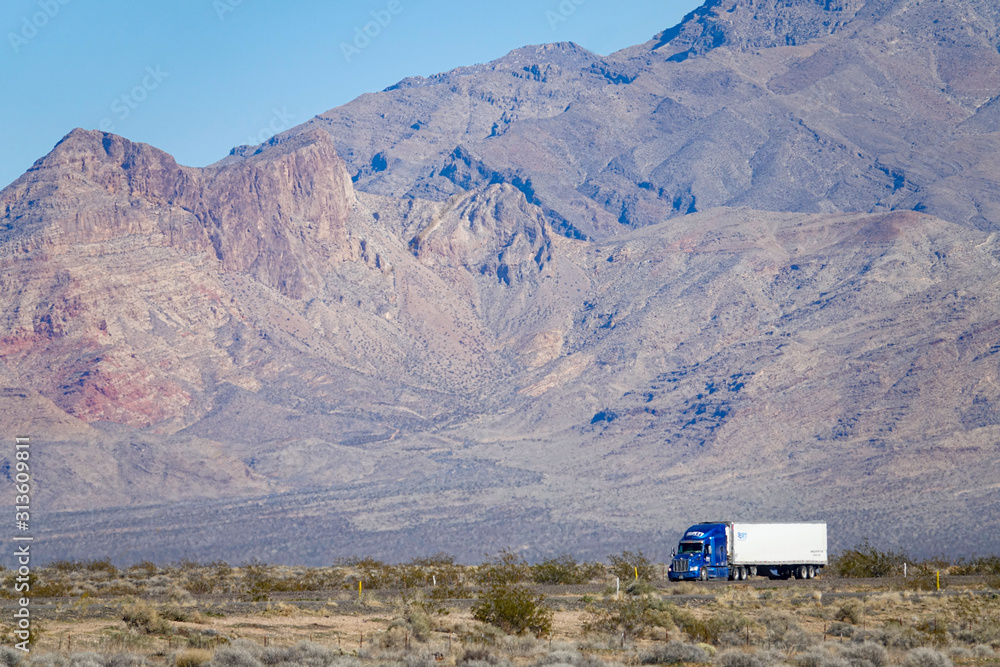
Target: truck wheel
{"type": "Point", "coordinates": [743, 573]}
{"type": "Point", "coordinates": [703, 575]}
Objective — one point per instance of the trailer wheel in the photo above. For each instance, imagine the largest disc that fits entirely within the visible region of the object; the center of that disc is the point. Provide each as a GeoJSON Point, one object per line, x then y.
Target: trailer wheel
{"type": "Point", "coordinates": [703, 575]}
{"type": "Point", "coordinates": [802, 572]}
{"type": "Point", "coordinates": [811, 574]}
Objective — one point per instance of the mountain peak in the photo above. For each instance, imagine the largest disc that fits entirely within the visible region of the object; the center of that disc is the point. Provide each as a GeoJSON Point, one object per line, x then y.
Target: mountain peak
{"type": "Point", "coordinates": [748, 24]}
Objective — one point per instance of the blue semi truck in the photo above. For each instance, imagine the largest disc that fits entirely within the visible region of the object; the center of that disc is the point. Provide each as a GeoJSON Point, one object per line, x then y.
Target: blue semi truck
{"type": "Point", "coordinates": [736, 551]}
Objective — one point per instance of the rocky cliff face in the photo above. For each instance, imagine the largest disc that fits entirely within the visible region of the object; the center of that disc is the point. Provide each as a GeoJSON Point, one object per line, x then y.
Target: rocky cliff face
{"type": "Point", "coordinates": [751, 261]}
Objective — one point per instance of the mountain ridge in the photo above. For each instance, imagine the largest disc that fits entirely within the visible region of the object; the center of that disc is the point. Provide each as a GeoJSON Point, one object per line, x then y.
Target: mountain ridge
{"type": "Point", "coordinates": [558, 295]}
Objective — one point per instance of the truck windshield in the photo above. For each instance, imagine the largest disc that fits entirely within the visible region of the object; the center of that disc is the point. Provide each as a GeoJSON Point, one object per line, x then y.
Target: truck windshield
{"type": "Point", "coordinates": [690, 548]}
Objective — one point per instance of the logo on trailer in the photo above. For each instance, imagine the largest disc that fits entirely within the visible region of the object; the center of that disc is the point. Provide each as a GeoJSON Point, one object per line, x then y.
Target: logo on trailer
{"type": "Point", "coordinates": [741, 536]}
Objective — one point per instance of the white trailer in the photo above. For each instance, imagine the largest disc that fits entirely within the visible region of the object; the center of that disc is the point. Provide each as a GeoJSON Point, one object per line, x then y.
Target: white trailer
{"type": "Point", "coordinates": [789, 549]}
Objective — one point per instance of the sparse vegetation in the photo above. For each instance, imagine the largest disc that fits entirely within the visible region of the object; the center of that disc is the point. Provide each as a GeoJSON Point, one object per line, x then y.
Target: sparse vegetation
{"type": "Point", "coordinates": [867, 561]}
{"type": "Point", "coordinates": [629, 566]}
{"type": "Point", "coordinates": [565, 570]}
{"type": "Point", "coordinates": [144, 618]}
{"type": "Point", "coordinates": [408, 616]}
{"type": "Point", "coordinates": [513, 608]}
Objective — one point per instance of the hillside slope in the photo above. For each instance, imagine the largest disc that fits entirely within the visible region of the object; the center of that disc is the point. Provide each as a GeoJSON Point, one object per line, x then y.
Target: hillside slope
{"type": "Point", "coordinates": [557, 302]}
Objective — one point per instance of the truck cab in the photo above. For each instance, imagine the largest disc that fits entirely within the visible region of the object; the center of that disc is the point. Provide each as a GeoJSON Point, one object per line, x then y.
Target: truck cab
{"type": "Point", "coordinates": [703, 553]}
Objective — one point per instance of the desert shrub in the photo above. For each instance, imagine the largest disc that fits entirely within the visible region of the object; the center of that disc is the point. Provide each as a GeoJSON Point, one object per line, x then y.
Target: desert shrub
{"type": "Point", "coordinates": [11, 657]}
{"type": "Point", "coordinates": [740, 659]}
{"type": "Point", "coordinates": [419, 622]}
{"type": "Point", "coordinates": [839, 629]}
{"type": "Point", "coordinates": [450, 592]}
{"type": "Point", "coordinates": [934, 630]}
{"type": "Point", "coordinates": [237, 654]}
{"type": "Point", "coordinates": [816, 658]}
{"type": "Point", "coordinates": [87, 659]}
{"type": "Point", "coordinates": [557, 657]}
{"type": "Point", "coordinates": [48, 587]}
{"type": "Point", "coordinates": [627, 616]}
{"type": "Point", "coordinates": [105, 566]}
{"type": "Point", "coordinates": [124, 660]}
{"type": "Point", "coordinates": [180, 614]}
{"type": "Point", "coordinates": [520, 646]}
{"type": "Point", "coordinates": [66, 566]}
{"type": "Point", "coordinates": [440, 567]}
{"type": "Point", "coordinates": [205, 639]}
{"type": "Point", "coordinates": [866, 654]}
{"type": "Point", "coordinates": [926, 657]}
{"type": "Point", "coordinates": [672, 653]}
{"type": "Point", "coordinates": [422, 658]}
{"type": "Point", "coordinates": [565, 570]}
{"type": "Point", "coordinates": [640, 587]}
{"type": "Point", "coordinates": [989, 565]}
{"type": "Point", "coordinates": [512, 608]}
{"type": "Point", "coordinates": [727, 627]}
{"type": "Point", "coordinates": [49, 660]}
{"type": "Point", "coordinates": [193, 657]}
{"type": "Point", "coordinates": [866, 561]}
{"type": "Point", "coordinates": [505, 568]}
{"type": "Point", "coordinates": [256, 583]}
{"type": "Point", "coordinates": [782, 630]}
{"type": "Point", "coordinates": [200, 583]}
{"type": "Point", "coordinates": [891, 635]}
{"type": "Point", "coordinates": [625, 566]}
{"type": "Point", "coordinates": [983, 651]}
{"type": "Point", "coordinates": [960, 653]}
{"type": "Point", "coordinates": [143, 568]}
{"type": "Point", "coordinates": [851, 611]}
{"type": "Point", "coordinates": [320, 579]}
{"type": "Point", "coordinates": [482, 656]}
{"type": "Point", "coordinates": [414, 623]}
{"type": "Point", "coordinates": [372, 573]}
{"type": "Point", "coordinates": [143, 617]}
{"type": "Point", "coordinates": [118, 587]}
{"type": "Point", "coordinates": [303, 654]}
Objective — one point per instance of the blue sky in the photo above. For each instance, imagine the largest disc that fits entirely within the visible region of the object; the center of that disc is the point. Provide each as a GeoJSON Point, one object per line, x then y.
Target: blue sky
{"type": "Point", "coordinates": [197, 77]}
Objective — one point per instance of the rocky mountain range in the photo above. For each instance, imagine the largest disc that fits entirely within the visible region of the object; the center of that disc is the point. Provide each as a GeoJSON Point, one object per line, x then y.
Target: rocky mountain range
{"type": "Point", "coordinates": [556, 302]}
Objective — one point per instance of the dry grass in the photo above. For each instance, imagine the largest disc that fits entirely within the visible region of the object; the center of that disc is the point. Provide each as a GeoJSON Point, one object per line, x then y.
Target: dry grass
{"type": "Point", "coordinates": [180, 620]}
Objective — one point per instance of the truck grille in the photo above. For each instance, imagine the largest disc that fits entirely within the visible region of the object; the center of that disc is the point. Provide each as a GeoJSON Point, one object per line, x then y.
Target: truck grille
{"type": "Point", "coordinates": [680, 565]}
